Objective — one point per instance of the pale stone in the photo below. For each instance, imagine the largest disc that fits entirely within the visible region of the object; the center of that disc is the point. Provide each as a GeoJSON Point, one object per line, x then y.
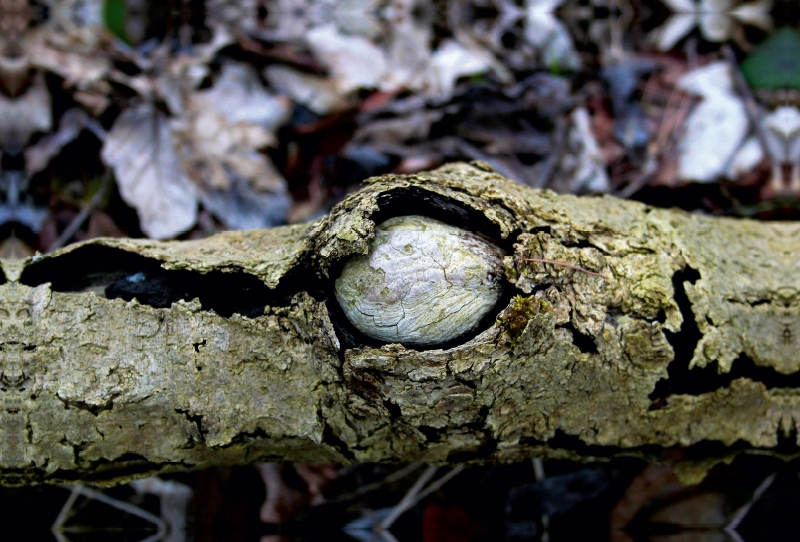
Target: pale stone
{"type": "Point", "coordinates": [423, 282]}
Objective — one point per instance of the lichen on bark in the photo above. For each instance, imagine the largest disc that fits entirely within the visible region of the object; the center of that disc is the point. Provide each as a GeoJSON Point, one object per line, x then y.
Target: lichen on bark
{"type": "Point", "coordinates": [122, 358]}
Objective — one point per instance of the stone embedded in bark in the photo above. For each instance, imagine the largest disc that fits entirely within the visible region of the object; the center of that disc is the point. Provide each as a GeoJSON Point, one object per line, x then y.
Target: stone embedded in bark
{"type": "Point", "coordinates": [423, 282]}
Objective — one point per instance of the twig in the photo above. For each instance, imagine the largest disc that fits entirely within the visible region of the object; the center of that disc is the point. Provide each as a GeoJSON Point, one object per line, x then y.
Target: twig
{"type": "Point", "coordinates": [565, 264]}
{"type": "Point", "coordinates": [396, 475]}
{"type": "Point", "coordinates": [738, 516]}
{"type": "Point", "coordinates": [437, 484]}
{"type": "Point", "coordinates": [416, 494]}
{"type": "Point", "coordinates": [81, 217]}
{"type": "Point", "coordinates": [747, 96]}
{"type": "Point", "coordinates": [407, 501]}
{"type": "Point", "coordinates": [58, 525]}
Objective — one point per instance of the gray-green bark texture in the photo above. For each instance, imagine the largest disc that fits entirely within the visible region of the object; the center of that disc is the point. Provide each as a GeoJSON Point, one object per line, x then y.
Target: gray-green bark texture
{"type": "Point", "coordinates": [123, 358]}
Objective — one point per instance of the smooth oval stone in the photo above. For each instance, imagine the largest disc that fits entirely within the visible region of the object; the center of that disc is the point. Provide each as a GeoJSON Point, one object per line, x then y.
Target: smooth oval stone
{"type": "Point", "coordinates": [423, 282]}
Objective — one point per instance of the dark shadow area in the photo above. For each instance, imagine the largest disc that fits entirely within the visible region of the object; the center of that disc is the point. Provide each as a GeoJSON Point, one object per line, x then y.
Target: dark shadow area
{"type": "Point", "coordinates": [697, 381]}
{"type": "Point", "coordinates": [416, 201]}
{"type": "Point", "coordinates": [115, 273]}
{"type": "Point", "coordinates": [683, 380]}
{"type": "Point", "coordinates": [584, 342]}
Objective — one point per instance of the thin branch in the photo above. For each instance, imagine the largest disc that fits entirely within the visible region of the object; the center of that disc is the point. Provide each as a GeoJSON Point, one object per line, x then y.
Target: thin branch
{"type": "Point", "coordinates": [407, 501]}
{"type": "Point", "coordinates": [81, 217]}
{"type": "Point", "coordinates": [746, 93]}
{"type": "Point", "coordinates": [565, 264]}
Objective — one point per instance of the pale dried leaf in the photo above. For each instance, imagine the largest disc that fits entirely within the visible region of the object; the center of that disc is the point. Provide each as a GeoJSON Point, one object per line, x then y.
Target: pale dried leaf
{"type": "Point", "coordinates": [708, 80]}
{"type": "Point", "coordinates": [544, 31]}
{"type": "Point", "coordinates": [584, 166]}
{"type": "Point", "coordinates": [715, 19]}
{"type": "Point", "coordinates": [716, 127]}
{"type": "Point", "coordinates": [77, 25]}
{"type": "Point", "coordinates": [359, 17]}
{"type": "Point", "coordinates": [451, 61]}
{"type": "Point", "coordinates": [746, 158]}
{"type": "Point", "coordinates": [226, 125]}
{"type": "Point", "coordinates": [671, 32]}
{"type": "Point", "coordinates": [25, 115]}
{"type": "Point", "coordinates": [353, 62]}
{"type": "Point", "coordinates": [150, 177]}
{"type": "Point", "coordinates": [289, 20]}
{"type": "Point", "coordinates": [783, 134]}
{"type": "Point", "coordinates": [77, 69]}
{"type": "Point", "coordinates": [240, 207]}
{"type": "Point", "coordinates": [239, 97]}
{"type": "Point", "coordinates": [680, 6]}
{"type": "Point", "coordinates": [317, 93]}
{"type": "Point", "coordinates": [755, 13]}
{"type": "Point", "coordinates": [408, 53]}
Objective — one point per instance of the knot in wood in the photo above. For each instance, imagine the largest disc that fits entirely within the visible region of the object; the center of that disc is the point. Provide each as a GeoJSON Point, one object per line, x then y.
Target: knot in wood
{"type": "Point", "coordinates": [423, 282]}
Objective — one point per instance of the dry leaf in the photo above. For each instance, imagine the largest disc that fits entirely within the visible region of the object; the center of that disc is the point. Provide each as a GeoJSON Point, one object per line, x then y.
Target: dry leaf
{"type": "Point", "coordinates": [715, 128]}
{"type": "Point", "coordinates": [315, 92]}
{"type": "Point", "coordinates": [226, 125]}
{"type": "Point", "coordinates": [77, 69]}
{"type": "Point", "coordinates": [715, 18]}
{"type": "Point", "coordinates": [219, 142]}
{"type": "Point", "coordinates": [150, 177]}
{"type": "Point", "coordinates": [354, 62]}
{"type": "Point", "coordinates": [404, 62]}
{"type": "Point", "coordinates": [583, 168]}
{"type": "Point", "coordinates": [240, 207]}
{"type": "Point", "coordinates": [24, 115]}
{"type": "Point", "coordinates": [783, 145]}
{"type": "Point", "coordinates": [451, 61]}
{"type": "Point", "coordinates": [545, 32]}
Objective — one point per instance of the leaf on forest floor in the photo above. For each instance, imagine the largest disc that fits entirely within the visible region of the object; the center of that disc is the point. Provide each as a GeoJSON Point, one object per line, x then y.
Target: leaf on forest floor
{"type": "Point", "coordinates": [544, 31]}
{"type": "Point", "coordinates": [150, 176]}
{"type": "Point", "coordinates": [717, 20]}
{"type": "Point", "coordinates": [404, 62]}
{"type": "Point", "coordinates": [25, 115]}
{"type": "Point", "coordinates": [775, 63]}
{"type": "Point", "coordinates": [240, 207]}
{"type": "Point", "coordinates": [582, 168]}
{"type": "Point", "coordinates": [81, 70]}
{"type": "Point", "coordinates": [782, 136]}
{"type": "Point", "coordinates": [630, 125]}
{"type": "Point", "coordinates": [315, 92]}
{"type": "Point", "coordinates": [715, 129]}
{"type": "Point", "coordinates": [219, 142]}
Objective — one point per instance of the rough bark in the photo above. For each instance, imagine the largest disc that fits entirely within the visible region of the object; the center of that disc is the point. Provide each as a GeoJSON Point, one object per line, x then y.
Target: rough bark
{"type": "Point", "coordinates": [234, 349]}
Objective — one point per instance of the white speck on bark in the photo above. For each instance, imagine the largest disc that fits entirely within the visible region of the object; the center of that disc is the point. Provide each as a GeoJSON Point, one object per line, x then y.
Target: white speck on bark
{"type": "Point", "coordinates": [423, 282]}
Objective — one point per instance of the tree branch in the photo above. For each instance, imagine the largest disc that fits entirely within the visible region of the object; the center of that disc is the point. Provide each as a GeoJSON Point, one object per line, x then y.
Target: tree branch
{"type": "Point", "coordinates": [121, 358]}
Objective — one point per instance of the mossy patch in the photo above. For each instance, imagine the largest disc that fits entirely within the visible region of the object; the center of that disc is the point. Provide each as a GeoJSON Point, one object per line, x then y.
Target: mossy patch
{"type": "Point", "coordinates": [520, 310]}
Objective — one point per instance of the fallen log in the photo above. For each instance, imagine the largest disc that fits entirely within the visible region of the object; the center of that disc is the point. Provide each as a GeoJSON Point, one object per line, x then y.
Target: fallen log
{"type": "Point", "coordinates": [619, 329]}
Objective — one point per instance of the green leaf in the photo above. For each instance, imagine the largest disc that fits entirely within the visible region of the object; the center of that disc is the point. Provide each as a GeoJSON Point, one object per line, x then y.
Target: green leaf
{"type": "Point", "coordinates": [775, 63]}
{"type": "Point", "coordinates": [114, 15]}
